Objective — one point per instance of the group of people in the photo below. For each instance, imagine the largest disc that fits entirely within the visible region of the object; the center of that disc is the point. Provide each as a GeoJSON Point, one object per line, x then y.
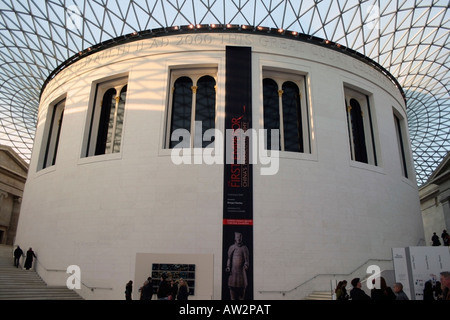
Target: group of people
{"type": "Point", "coordinates": [435, 242]}
{"type": "Point", "coordinates": [441, 291]}
{"type": "Point", "coordinates": [167, 290]}
{"type": "Point", "coordinates": [18, 253]}
{"type": "Point", "coordinates": [384, 292]}
{"type": "Point", "coordinates": [438, 291]}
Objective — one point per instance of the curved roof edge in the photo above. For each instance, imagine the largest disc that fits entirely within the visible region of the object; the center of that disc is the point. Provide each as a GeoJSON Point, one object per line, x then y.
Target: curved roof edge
{"type": "Point", "coordinates": [152, 33]}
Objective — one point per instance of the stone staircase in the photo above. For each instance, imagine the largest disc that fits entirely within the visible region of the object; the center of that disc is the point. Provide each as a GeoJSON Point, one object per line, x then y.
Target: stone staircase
{"type": "Point", "coordinates": [320, 295]}
{"type": "Point", "coordinates": [21, 284]}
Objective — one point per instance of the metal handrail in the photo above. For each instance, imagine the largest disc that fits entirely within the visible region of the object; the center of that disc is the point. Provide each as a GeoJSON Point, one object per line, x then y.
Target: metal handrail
{"type": "Point", "coordinates": [283, 292]}
{"type": "Point", "coordinates": [65, 271]}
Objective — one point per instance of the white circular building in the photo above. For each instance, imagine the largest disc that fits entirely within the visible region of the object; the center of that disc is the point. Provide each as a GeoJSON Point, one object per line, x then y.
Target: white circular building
{"type": "Point", "coordinates": [136, 169]}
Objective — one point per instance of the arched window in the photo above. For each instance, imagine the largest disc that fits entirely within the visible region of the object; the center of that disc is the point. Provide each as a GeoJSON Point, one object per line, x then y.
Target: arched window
{"type": "Point", "coordinates": [111, 121]}
{"type": "Point", "coordinates": [105, 125]}
{"type": "Point", "coordinates": [116, 136]}
{"type": "Point", "coordinates": [400, 128]}
{"type": "Point", "coordinates": [107, 120]}
{"type": "Point", "coordinates": [181, 106]}
{"type": "Point", "coordinates": [360, 127]}
{"type": "Point", "coordinates": [53, 128]}
{"type": "Point", "coordinates": [292, 118]}
{"type": "Point", "coordinates": [357, 132]}
{"type": "Point", "coordinates": [285, 110]}
{"type": "Point", "coordinates": [192, 107]}
{"type": "Point", "coordinates": [271, 110]}
{"type": "Point", "coordinates": [205, 105]}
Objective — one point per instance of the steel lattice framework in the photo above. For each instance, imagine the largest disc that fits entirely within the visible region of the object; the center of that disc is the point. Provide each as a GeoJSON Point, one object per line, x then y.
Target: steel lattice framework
{"type": "Point", "coordinates": [409, 38]}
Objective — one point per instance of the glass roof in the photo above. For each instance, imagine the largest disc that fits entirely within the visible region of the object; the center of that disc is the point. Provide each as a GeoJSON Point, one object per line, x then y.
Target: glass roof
{"type": "Point", "coordinates": [409, 38]}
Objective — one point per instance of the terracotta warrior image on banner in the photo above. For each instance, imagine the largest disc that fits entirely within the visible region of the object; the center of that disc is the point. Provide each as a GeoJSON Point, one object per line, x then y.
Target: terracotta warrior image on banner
{"type": "Point", "coordinates": [238, 263]}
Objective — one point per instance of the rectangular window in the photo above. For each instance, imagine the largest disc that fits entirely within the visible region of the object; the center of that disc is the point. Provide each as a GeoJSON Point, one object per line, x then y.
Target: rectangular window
{"type": "Point", "coordinates": [191, 107]}
{"type": "Point", "coordinates": [399, 127]}
{"type": "Point", "coordinates": [107, 115]}
{"type": "Point", "coordinates": [52, 129]}
{"type": "Point", "coordinates": [360, 127]}
{"type": "Point", "coordinates": [285, 110]}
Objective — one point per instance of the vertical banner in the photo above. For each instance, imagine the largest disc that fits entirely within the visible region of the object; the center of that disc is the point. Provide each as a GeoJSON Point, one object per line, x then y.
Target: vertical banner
{"type": "Point", "coordinates": [237, 246]}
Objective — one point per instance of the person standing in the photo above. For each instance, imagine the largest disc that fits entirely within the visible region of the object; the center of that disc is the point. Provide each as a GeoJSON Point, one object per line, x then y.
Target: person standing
{"type": "Point", "coordinates": [164, 288]}
{"type": "Point", "coordinates": [129, 290]}
{"type": "Point", "coordinates": [183, 290]}
{"type": "Point", "coordinates": [428, 291]}
{"type": "Point", "coordinates": [445, 282]}
{"type": "Point", "coordinates": [17, 254]}
{"type": "Point", "coordinates": [383, 293]}
{"type": "Point", "coordinates": [398, 289]}
{"type": "Point", "coordinates": [435, 242]}
{"type": "Point", "coordinates": [147, 289]}
{"type": "Point", "coordinates": [338, 290]}
{"type": "Point", "coordinates": [29, 259]}
{"type": "Point", "coordinates": [173, 290]}
{"type": "Point", "coordinates": [445, 237]}
{"type": "Point", "coordinates": [344, 295]}
{"type": "Point", "coordinates": [357, 293]}
{"type": "Point", "coordinates": [438, 291]}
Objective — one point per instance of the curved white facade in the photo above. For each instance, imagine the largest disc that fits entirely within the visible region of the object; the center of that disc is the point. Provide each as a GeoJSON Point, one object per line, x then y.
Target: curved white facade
{"type": "Point", "coordinates": [114, 215]}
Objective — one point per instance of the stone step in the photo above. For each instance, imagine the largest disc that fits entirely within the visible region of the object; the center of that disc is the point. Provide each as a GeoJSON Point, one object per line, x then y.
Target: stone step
{"type": "Point", "coordinates": [14, 283]}
{"type": "Point", "coordinates": [320, 295]}
{"type": "Point", "coordinates": [21, 284]}
{"type": "Point", "coordinates": [39, 291]}
{"type": "Point", "coordinates": [40, 297]}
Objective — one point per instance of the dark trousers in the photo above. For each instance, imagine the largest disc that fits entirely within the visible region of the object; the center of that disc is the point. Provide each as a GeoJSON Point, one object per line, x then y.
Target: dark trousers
{"type": "Point", "coordinates": [16, 261]}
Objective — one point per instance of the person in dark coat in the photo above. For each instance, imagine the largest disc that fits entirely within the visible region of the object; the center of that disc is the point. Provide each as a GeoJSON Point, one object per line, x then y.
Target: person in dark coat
{"type": "Point", "coordinates": [183, 290]}
{"type": "Point", "coordinates": [147, 290]}
{"type": "Point", "coordinates": [428, 293]}
{"type": "Point", "coordinates": [129, 290]}
{"type": "Point", "coordinates": [438, 291]}
{"type": "Point", "coordinates": [445, 237]}
{"type": "Point", "coordinates": [435, 240]}
{"type": "Point", "coordinates": [382, 293]}
{"type": "Point", "coordinates": [17, 254]}
{"type": "Point", "coordinates": [164, 288]}
{"type": "Point", "coordinates": [29, 259]}
{"type": "Point", "coordinates": [173, 290]}
{"type": "Point", "coordinates": [357, 293]}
